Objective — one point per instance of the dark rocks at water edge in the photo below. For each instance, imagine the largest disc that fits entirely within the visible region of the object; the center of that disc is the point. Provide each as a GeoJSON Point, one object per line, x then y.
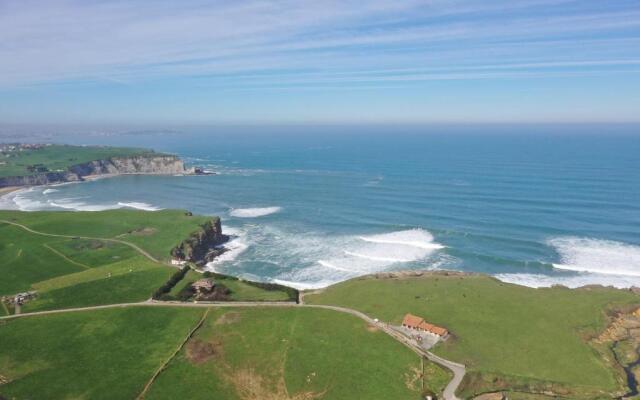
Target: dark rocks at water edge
{"type": "Point", "coordinates": [203, 245]}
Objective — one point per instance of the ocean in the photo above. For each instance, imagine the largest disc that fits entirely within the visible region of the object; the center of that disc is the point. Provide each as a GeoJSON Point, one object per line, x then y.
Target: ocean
{"type": "Point", "coordinates": [310, 207]}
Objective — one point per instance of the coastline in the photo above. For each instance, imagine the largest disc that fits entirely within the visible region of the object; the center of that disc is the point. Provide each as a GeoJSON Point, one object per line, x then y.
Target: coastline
{"type": "Point", "coordinates": [6, 190]}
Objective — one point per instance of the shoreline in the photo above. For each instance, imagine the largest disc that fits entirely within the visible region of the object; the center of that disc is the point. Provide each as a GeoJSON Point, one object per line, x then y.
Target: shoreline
{"type": "Point", "coordinates": [9, 189]}
{"type": "Point", "coordinates": [13, 190]}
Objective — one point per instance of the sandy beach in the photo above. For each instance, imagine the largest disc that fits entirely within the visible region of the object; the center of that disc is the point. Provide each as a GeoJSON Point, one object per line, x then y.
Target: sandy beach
{"type": "Point", "coordinates": [8, 189]}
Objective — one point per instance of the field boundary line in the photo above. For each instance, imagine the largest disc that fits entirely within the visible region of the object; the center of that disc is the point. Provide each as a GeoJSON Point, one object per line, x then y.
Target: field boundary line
{"type": "Point", "coordinates": [66, 258]}
{"type": "Point", "coordinates": [172, 356]}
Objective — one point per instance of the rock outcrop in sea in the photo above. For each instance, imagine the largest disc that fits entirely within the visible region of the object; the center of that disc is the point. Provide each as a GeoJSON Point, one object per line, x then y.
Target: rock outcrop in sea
{"type": "Point", "coordinates": [155, 164]}
{"type": "Point", "coordinates": [202, 245]}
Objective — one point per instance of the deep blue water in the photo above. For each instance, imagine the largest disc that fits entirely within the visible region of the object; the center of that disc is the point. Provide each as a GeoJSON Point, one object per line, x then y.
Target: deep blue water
{"type": "Point", "coordinates": [534, 207]}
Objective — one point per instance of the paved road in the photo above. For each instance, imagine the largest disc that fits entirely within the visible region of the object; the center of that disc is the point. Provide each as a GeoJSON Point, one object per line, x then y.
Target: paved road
{"type": "Point", "coordinates": [133, 246]}
{"type": "Point", "coordinates": [448, 394]}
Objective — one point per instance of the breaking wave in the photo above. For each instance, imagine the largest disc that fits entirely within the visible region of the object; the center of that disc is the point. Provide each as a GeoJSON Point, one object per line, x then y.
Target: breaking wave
{"type": "Point", "coordinates": [23, 201]}
{"type": "Point", "coordinates": [235, 246]}
{"type": "Point", "coordinates": [139, 206]}
{"type": "Point", "coordinates": [413, 237]}
{"type": "Point", "coordinates": [336, 259]}
{"type": "Point", "coordinates": [573, 281]}
{"type": "Point", "coordinates": [253, 212]}
{"type": "Point", "coordinates": [597, 256]}
{"type": "Point", "coordinates": [316, 259]}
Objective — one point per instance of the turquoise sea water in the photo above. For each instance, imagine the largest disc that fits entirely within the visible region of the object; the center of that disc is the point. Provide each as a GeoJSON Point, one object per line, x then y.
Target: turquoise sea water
{"type": "Point", "coordinates": [312, 208]}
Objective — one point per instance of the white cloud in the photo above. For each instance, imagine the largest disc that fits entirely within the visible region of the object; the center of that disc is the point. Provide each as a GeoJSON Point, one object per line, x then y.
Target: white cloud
{"type": "Point", "coordinates": [129, 41]}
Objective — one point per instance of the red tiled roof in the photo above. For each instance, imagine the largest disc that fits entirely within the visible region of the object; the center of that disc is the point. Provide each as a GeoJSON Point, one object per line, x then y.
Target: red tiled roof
{"type": "Point", "coordinates": [412, 320]}
{"type": "Point", "coordinates": [433, 329]}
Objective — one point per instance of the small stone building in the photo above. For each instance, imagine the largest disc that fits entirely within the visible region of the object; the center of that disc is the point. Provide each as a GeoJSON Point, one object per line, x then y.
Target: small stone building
{"type": "Point", "coordinates": [203, 285]}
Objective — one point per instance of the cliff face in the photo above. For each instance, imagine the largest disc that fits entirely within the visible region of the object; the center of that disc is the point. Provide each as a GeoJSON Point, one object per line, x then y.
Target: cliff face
{"type": "Point", "coordinates": [161, 164]}
{"type": "Point", "coordinates": [131, 165]}
{"type": "Point", "coordinates": [39, 179]}
{"type": "Point", "coordinates": [202, 246]}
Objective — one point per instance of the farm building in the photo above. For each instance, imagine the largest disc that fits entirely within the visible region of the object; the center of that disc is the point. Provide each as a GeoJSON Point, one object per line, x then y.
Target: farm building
{"type": "Point", "coordinates": [419, 324]}
{"type": "Point", "coordinates": [203, 285]}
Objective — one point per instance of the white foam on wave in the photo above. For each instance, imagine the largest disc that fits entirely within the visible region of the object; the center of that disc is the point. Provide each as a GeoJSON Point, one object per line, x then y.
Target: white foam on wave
{"type": "Point", "coordinates": [412, 237]}
{"type": "Point", "coordinates": [19, 200]}
{"type": "Point", "coordinates": [333, 259]}
{"type": "Point", "coordinates": [572, 281]}
{"type": "Point", "coordinates": [139, 206]}
{"type": "Point", "coordinates": [24, 200]}
{"type": "Point", "coordinates": [47, 191]}
{"type": "Point", "coordinates": [376, 258]}
{"type": "Point", "coordinates": [304, 259]}
{"type": "Point", "coordinates": [304, 285]}
{"type": "Point", "coordinates": [69, 204]}
{"type": "Point", "coordinates": [598, 256]}
{"type": "Point", "coordinates": [253, 212]}
{"type": "Point", "coordinates": [327, 264]}
{"type": "Point", "coordinates": [235, 246]}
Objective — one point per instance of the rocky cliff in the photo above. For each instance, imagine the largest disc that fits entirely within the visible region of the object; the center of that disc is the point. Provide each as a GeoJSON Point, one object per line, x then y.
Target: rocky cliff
{"type": "Point", "coordinates": [161, 164]}
{"type": "Point", "coordinates": [202, 245]}
{"type": "Point", "coordinates": [157, 164]}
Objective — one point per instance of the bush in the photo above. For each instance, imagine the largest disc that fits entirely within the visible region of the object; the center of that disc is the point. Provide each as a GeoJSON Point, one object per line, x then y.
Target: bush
{"type": "Point", "coordinates": [166, 288]}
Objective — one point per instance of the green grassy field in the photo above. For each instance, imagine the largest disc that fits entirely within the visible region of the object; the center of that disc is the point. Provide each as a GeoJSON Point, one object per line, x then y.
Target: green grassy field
{"type": "Point", "coordinates": [105, 354]}
{"type": "Point", "coordinates": [131, 281]}
{"type": "Point", "coordinates": [240, 290]}
{"type": "Point", "coordinates": [26, 260]}
{"type": "Point", "coordinates": [506, 334]}
{"type": "Point", "coordinates": [156, 232]}
{"type": "Point", "coordinates": [244, 353]}
{"type": "Point", "coordinates": [61, 157]}
{"type": "Point", "coordinates": [75, 271]}
{"type": "Point", "coordinates": [267, 353]}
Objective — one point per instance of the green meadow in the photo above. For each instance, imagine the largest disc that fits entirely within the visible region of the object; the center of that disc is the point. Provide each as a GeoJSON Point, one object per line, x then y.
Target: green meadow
{"type": "Point", "coordinates": [508, 336]}
{"type": "Point", "coordinates": [156, 232]}
{"type": "Point", "coordinates": [241, 353]}
{"type": "Point", "coordinates": [290, 353]}
{"type": "Point", "coordinates": [241, 290]}
{"type": "Point", "coordinates": [60, 157]}
{"type": "Point", "coordinates": [100, 354]}
{"type": "Point", "coordinates": [85, 268]}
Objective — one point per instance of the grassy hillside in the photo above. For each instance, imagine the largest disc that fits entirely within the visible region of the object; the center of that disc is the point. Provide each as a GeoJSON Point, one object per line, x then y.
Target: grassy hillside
{"type": "Point", "coordinates": [156, 232]}
{"type": "Point", "coordinates": [72, 271]}
{"type": "Point", "coordinates": [59, 157]}
{"type": "Point", "coordinates": [83, 269]}
{"type": "Point", "coordinates": [247, 353]}
{"type": "Point", "coordinates": [105, 354]}
{"type": "Point", "coordinates": [507, 335]}
{"type": "Point", "coordinates": [240, 290]}
{"type": "Point", "coordinates": [267, 353]}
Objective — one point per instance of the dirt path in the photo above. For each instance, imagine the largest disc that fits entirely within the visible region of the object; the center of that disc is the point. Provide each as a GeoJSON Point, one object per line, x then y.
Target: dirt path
{"type": "Point", "coordinates": [133, 246]}
{"type": "Point", "coordinates": [448, 394]}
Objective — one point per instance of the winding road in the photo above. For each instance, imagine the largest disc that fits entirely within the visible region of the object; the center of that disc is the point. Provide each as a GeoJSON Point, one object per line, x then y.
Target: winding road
{"type": "Point", "coordinates": [448, 393]}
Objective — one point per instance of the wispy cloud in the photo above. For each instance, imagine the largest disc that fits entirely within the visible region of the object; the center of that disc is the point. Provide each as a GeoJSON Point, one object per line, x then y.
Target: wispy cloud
{"type": "Point", "coordinates": [280, 42]}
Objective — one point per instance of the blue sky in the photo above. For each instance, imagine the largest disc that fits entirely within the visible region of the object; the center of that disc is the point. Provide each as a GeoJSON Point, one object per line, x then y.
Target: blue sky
{"type": "Point", "coordinates": [384, 61]}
